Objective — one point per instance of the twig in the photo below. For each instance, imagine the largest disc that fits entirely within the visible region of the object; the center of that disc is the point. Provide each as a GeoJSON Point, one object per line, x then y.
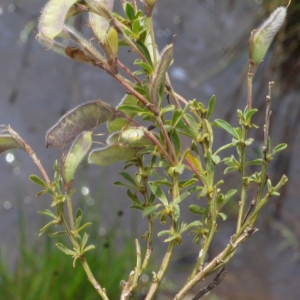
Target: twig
{"type": "Point", "coordinates": [251, 72]}
{"type": "Point", "coordinates": [217, 280]}
{"type": "Point", "coordinates": [124, 68]}
{"type": "Point", "coordinates": [251, 206]}
{"type": "Point", "coordinates": [30, 152]}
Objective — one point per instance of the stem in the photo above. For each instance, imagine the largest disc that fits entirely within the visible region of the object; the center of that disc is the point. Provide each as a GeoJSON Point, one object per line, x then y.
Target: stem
{"type": "Point", "coordinates": [243, 174]}
{"type": "Point", "coordinates": [207, 241]}
{"type": "Point", "coordinates": [149, 244]}
{"type": "Point", "coordinates": [265, 163]}
{"type": "Point", "coordinates": [216, 263]}
{"type": "Point", "coordinates": [70, 211]}
{"type": "Point", "coordinates": [84, 263]}
{"type": "Point", "coordinates": [30, 152]}
{"type": "Point", "coordinates": [251, 72]}
{"type": "Point", "coordinates": [129, 88]}
{"type": "Point", "coordinates": [159, 276]}
{"type": "Point", "coordinates": [91, 278]}
{"type": "Point", "coordinates": [122, 66]}
{"type": "Point", "coordinates": [167, 139]}
{"type": "Point", "coordinates": [167, 258]}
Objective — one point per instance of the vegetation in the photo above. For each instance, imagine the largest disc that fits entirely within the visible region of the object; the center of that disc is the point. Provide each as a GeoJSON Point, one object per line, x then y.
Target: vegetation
{"type": "Point", "coordinates": [147, 130]}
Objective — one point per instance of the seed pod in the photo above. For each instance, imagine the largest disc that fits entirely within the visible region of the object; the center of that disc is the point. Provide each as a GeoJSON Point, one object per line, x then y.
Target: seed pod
{"type": "Point", "coordinates": [79, 55]}
{"type": "Point", "coordinates": [160, 73]}
{"type": "Point", "coordinates": [7, 142]}
{"type": "Point", "coordinates": [101, 8]}
{"type": "Point", "coordinates": [53, 17]}
{"type": "Point", "coordinates": [112, 154]}
{"type": "Point", "coordinates": [82, 118]}
{"type": "Point", "coordinates": [77, 152]}
{"type": "Point", "coordinates": [132, 137]}
{"type": "Point", "coordinates": [262, 37]}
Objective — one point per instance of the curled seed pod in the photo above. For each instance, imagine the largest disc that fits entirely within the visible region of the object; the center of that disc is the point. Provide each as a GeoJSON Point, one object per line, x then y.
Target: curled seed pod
{"type": "Point", "coordinates": [82, 118]}
{"type": "Point", "coordinates": [262, 37]}
{"type": "Point", "coordinates": [7, 142]}
{"type": "Point", "coordinates": [79, 55]}
{"type": "Point", "coordinates": [85, 45]}
{"type": "Point", "coordinates": [53, 17]}
{"type": "Point", "coordinates": [112, 154]}
{"type": "Point", "coordinates": [77, 152]}
{"type": "Point", "coordinates": [160, 73]}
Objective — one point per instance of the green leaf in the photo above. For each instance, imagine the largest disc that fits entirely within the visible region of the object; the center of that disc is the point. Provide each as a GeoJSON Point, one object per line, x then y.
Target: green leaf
{"type": "Point", "coordinates": [175, 210]}
{"type": "Point", "coordinates": [223, 216]}
{"type": "Point", "coordinates": [56, 234]}
{"type": "Point", "coordinates": [84, 241]}
{"type": "Point", "coordinates": [257, 161]}
{"type": "Point", "coordinates": [84, 226]}
{"type": "Point", "coordinates": [136, 26]}
{"type": "Point", "coordinates": [191, 225]}
{"type": "Point", "coordinates": [230, 169]}
{"type": "Point", "coordinates": [128, 177]}
{"type": "Point", "coordinates": [182, 197]}
{"type": "Point", "coordinates": [177, 115]}
{"type": "Point", "coordinates": [176, 142]}
{"type": "Point", "coordinates": [133, 198]}
{"type": "Point", "coordinates": [37, 180]}
{"type": "Point", "coordinates": [47, 212]}
{"type": "Point", "coordinates": [89, 248]}
{"type": "Point", "coordinates": [211, 106]}
{"type": "Point", "coordinates": [64, 249]}
{"type": "Point", "coordinates": [196, 209]}
{"type": "Point", "coordinates": [145, 66]}
{"type": "Point", "coordinates": [171, 238]}
{"type": "Point", "coordinates": [279, 148]}
{"type": "Point", "coordinates": [145, 52]}
{"type": "Point", "coordinates": [131, 108]}
{"type": "Point", "coordinates": [43, 229]}
{"type": "Point", "coordinates": [250, 114]}
{"type": "Point", "coordinates": [129, 11]}
{"type": "Point", "coordinates": [226, 126]}
{"type": "Point", "coordinates": [187, 183]}
{"type": "Point", "coordinates": [164, 232]}
{"type": "Point", "coordinates": [148, 210]}
{"type": "Point", "coordinates": [157, 191]}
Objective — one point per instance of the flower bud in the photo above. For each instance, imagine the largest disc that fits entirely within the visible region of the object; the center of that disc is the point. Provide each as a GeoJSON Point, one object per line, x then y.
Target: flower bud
{"type": "Point", "coordinates": [262, 37]}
